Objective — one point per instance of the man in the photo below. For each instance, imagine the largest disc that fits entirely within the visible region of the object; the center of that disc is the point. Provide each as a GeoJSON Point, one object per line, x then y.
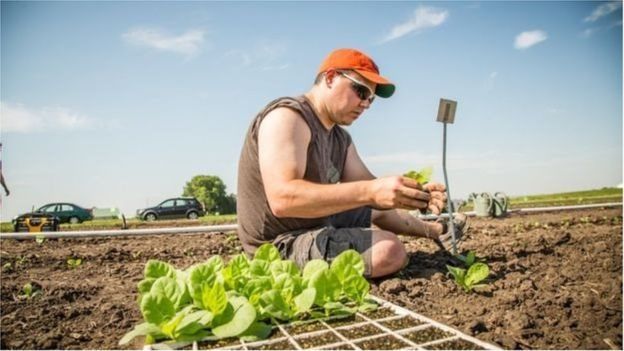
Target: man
{"type": "Point", "coordinates": [302, 185]}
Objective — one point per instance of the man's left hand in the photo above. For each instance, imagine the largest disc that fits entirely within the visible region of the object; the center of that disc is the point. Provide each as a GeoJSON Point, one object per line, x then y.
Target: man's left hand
{"type": "Point", "coordinates": [438, 197]}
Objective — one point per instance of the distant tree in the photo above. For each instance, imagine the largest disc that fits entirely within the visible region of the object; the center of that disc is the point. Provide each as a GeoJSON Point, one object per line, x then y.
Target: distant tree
{"type": "Point", "coordinates": [211, 191]}
{"type": "Point", "coordinates": [229, 205]}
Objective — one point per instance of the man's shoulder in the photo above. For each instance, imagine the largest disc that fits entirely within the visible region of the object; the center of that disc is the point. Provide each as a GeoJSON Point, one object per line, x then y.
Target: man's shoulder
{"type": "Point", "coordinates": [288, 102]}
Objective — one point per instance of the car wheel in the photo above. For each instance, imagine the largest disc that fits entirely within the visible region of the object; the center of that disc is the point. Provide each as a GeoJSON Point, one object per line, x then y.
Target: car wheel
{"type": "Point", "coordinates": [150, 217]}
{"type": "Point", "coordinates": [74, 220]}
{"type": "Point", "coordinates": [192, 215]}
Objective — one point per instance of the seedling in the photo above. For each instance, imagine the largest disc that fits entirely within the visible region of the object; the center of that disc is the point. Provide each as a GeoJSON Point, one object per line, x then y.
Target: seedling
{"type": "Point", "coordinates": [474, 273]}
{"type": "Point", "coordinates": [21, 260]}
{"type": "Point", "coordinates": [422, 176]}
{"type": "Point", "coordinates": [40, 239]}
{"type": "Point", "coordinates": [74, 262]}
{"type": "Point", "coordinates": [29, 291]}
{"type": "Point", "coordinates": [7, 267]}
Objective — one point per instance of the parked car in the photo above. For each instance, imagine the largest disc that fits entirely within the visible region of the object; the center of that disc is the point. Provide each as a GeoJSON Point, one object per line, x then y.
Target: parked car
{"type": "Point", "coordinates": [36, 222]}
{"type": "Point", "coordinates": [179, 207]}
{"type": "Point", "coordinates": [67, 213]}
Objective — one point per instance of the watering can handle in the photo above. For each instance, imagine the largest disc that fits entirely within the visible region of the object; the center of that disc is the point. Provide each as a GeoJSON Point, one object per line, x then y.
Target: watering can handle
{"type": "Point", "coordinates": [487, 196]}
{"type": "Point", "coordinates": [502, 196]}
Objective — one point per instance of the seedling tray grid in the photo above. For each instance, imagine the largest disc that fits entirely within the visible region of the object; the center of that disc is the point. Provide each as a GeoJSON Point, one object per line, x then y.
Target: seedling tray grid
{"type": "Point", "coordinates": [390, 327]}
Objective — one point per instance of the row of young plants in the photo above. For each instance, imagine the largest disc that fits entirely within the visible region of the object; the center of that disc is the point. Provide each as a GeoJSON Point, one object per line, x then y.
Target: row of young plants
{"type": "Point", "coordinates": [243, 298]}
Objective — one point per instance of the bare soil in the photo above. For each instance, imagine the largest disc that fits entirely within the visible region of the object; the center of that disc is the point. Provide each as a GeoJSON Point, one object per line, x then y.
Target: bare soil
{"type": "Point", "coordinates": [555, 283]}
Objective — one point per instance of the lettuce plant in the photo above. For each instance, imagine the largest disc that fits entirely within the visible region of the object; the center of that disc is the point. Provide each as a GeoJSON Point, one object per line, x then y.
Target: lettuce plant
{"type": "Point", "coordinates": [474, 272]}
{"type": "Point", "coordinates": [244, 298]}
{"type": "Point", "coordinates": [422, 176]}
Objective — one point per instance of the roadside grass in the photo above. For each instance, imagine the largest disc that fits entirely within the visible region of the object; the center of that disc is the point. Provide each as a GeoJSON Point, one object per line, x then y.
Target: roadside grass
{"type": "Point", "coordinates": [134, 223]}
{"type": "Point", "coordinates": [584, 197]}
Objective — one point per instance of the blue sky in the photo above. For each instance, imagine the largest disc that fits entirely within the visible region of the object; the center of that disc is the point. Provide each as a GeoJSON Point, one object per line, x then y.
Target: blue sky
{"type": "Point", "coordinates": [118, 104]}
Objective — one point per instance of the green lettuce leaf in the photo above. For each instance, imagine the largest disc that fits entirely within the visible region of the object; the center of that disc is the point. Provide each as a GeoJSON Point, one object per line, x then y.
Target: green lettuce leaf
{"type": "Point", "coordinates": [267, 252]}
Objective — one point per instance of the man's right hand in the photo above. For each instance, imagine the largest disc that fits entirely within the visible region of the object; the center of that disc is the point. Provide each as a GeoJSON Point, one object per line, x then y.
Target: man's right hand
{"type": "Point", "coordinates": [398, 192]}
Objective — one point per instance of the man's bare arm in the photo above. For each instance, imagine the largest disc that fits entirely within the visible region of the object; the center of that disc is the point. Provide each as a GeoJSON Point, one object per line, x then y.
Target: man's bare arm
{"type": "Point", "coordinates": [283, 141]}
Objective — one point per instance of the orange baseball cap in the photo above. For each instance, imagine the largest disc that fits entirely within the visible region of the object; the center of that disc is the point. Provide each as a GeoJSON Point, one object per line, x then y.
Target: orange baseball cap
{"type": "Point", "coordinates": [357, 61]}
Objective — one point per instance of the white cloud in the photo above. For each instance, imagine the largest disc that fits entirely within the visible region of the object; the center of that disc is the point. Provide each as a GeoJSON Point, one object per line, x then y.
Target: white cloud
{"type": "Point", "coordinates": [17, 118]}
{"type": "Point", "coordinates": [525, 40]}
{"type": "Point", "coordinates": [423, 18]}
{"type": "Point", "coordinates": [265, 56]}
{"type": "Point", "coordinates": [603, 10]}
{"type": "Point", "coordinates": [187, 43]}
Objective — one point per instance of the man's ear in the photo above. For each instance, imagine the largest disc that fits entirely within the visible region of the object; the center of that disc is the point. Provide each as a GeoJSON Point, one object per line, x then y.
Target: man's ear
{"type": "Point", "coordinates": [329, 77]}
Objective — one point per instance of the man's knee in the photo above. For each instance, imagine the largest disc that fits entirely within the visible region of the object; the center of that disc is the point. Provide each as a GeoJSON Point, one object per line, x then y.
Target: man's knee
{"type": "Point", "coordinates": [388, 254]}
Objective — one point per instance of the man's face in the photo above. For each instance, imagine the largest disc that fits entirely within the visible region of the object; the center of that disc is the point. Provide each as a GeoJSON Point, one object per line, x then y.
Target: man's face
{"type": "Point", "coordinates": [348, 88]}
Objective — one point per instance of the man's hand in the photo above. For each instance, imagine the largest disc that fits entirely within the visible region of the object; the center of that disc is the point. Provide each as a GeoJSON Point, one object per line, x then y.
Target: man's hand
{"type": "Point", "coordinates": [399, 192]}
{"type": "Point", "coordinates": [438, 197]}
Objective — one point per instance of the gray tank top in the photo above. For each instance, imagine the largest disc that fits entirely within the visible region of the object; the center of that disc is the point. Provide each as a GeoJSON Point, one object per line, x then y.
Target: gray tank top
{"type": "Point", "coordinates": [327, 153]}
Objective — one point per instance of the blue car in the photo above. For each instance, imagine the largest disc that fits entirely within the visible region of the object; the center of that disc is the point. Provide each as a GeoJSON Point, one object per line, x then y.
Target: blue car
{"type": "Point", "coordinates": [67, 213]}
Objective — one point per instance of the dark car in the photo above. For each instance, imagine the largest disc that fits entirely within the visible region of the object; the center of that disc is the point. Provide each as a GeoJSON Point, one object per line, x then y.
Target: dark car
{"type": "Point", "coordinates": [67, 213]}
{"type": "Point", "coordinates": [36, 222]}
{"type": "Point", "coordinates": [179, 207]}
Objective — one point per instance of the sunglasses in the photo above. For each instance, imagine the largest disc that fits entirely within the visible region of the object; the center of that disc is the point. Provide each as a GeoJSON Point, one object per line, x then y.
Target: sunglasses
{"type": "Point", "coordinates": [361, 90]}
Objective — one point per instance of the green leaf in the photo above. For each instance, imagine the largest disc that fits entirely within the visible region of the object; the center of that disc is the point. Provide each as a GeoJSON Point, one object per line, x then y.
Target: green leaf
{"type": "Point", "coordinates": [145, 285]}
{"type": "Point", "coordinates": [470, 258]}
{"type": "Point", "coordinates": [338, 308]}
{"type": "Point", "coordinates": [256, 331]}
{"type": "Point", "coordinates": [200, 334]}
{"type": "Point", "coordinates": [346, 264]}
{"type": "Point", "coordinates": [234, 274]}
{"type": "Point", "coordinates": [190, 324]}
{"type": "Point", "coordinates": [156, 309]}
{"type": "Point", "coordinates": [286, 285]}
{"type": "Point", "coordinates": [200, 275]}
{"type": "Point", "coordinates": [423, 176]}
{"type": "Point", "coordinates": [214, 299]}
{"type": "Point", "coordinates": [259, 268]}
{"type": "Point", "coordinates": [327, 286]}
{"type": "Point", "coordinates": [257, 285]}
{"type": "Point", "coordinates": [305, 300]}
{"type": "Point", "coordinates": [458, 273]}
{"type": "Point", "coordinates": [476, 273]}
{"type": "Point", "coordinates": [141, 330]}
{"type": "Point", "coordinates": [368, 306]}
{"type": "Point", "coordinates": [288, 267]}
{"type": "Point", "coordinates": [169, 327]}
{"type": "Point", "coordinates": [239, 264]}
{"type": "Point", "coordinates": [156, 269]}
{"type": "Point", "coordinates": [312, 267]}
{"type": "Point", "coordinates": [356, 287]}
{"type": "Point", "coordinates": [244, 316]}
{"type": "Point", "coordinates": [174, 290]}
{"type": "Point", "coordinates": [274, 304]}
{"type": "Point", "coordinates": [267, 252]}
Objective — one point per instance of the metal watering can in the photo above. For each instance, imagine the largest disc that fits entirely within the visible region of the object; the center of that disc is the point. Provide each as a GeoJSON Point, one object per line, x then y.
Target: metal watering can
{"type": "Point", "coordinates": [500, 203]}
{"type": "Point", "coordinates": [483, 204]}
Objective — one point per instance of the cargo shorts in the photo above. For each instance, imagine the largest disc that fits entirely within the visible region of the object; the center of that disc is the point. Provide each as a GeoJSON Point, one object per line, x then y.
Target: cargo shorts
{"type": "Point", "coordinates": [346, 230]}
